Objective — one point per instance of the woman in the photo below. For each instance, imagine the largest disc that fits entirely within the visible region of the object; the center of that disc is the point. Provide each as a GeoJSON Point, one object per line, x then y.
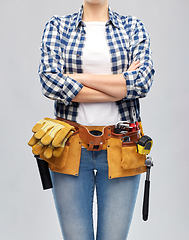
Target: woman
{"type": "Point", "coordinates": [95, 64]}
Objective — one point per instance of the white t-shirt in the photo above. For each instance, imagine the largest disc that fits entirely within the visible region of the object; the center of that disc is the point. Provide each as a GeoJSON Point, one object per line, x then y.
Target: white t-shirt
{"type": "Point", "coordinates": [96, 60]}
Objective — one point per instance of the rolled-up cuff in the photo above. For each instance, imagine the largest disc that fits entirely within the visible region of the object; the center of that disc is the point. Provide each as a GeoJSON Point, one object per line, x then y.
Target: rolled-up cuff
{"type": "Point", "coordinates": [130, 78]}
{"type": "Point", "coordinates": [70, 89]}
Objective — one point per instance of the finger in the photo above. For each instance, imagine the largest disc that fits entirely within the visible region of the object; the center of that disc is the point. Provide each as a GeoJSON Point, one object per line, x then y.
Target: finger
{"type": "Point", "coordinates": [137, 65]}
{"type": "Point", "coordinates": [134, 65]}
{"type": "Point", "coordinates": [48, 152]}
{"type": "Point", "coordinates": [39, 125]}
{"type": "Point", "coordinates": [48, 125]}
{"type": "Point", "coordinates": [135, 68]}
{"type": "Point", "coordinates": [33, 141]}
{"type": "Point", "coordinates": [38, 148]}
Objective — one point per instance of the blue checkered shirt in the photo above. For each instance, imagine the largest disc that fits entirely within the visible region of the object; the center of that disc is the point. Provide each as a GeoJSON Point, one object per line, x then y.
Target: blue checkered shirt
{"type": "Point", "coordinates": [61, 52]}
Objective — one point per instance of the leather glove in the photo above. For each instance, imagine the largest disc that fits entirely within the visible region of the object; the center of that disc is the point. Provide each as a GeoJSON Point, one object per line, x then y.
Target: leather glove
{"type": "Point", "coordinates": [50, 136]}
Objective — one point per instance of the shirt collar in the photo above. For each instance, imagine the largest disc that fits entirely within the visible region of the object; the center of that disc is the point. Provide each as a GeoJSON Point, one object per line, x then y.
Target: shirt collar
{"type": "Point", "coordinates": [112, 18]}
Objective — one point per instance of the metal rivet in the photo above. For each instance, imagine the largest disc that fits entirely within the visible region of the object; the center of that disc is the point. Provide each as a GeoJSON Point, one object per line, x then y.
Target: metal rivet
{"type": "Point", "coordinates": [108, 146]}
{"type": "Point", "coordinates": [110, 177]}
{"type": "Point", "coordinates": [76, 174]}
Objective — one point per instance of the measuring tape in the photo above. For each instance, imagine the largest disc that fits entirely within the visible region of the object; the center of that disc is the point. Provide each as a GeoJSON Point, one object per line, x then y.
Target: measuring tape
{"type": "Point", "coordinates": [144, 145]}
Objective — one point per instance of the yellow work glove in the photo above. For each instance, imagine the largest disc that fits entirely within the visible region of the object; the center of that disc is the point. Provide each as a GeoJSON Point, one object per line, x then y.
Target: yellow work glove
{"type": "Point", "coordinates": [58, 150]}
{"type": "Point", "coordinates": [39, 125]}
{"type": "Point", "coordinates": [50, 150]}
{"type": "Point", "coordinates": [40, 129]}
{"type": "Point", "coordinates": [50, 136]}
{"type": "Point", "coordinates": [50, 130]}
{"type": "Point", "coordinates": [39, 148]}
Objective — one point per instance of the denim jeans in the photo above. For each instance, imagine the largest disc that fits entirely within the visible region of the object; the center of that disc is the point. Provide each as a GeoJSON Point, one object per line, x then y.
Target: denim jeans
{"type": "Point", "coordinates": [73, 198]}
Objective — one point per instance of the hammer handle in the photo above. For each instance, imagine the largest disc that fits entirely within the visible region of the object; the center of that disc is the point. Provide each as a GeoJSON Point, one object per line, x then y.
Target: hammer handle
{"type": "Point", "coordinates": [44, 173]}
{"type": "Point", "coordinates": [146, 200]}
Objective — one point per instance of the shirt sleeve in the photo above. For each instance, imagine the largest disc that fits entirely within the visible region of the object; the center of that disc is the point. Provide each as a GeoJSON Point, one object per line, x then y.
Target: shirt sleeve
{"type": "Point", "coordinates": [55, 85]}
{"type": "Point", "coordinates": [139, 81]}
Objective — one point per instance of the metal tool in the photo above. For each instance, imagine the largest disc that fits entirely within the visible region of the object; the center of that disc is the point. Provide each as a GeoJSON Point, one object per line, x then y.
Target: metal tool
{"type": "Point", "coordinates": [149, 164]}
{"type": "Point", "coordinates": [126, 139]}
{"type": "Point", "coordinates": [124, 127]}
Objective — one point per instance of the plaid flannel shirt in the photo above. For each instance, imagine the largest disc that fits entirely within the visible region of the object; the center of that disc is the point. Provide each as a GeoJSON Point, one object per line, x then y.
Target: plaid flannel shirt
{"type": "Point", "coordinates": [61, 52]}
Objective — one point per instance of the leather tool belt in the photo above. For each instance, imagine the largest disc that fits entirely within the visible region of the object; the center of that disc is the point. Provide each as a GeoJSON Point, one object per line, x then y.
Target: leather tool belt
{"type": "Point", "coordinates": [123, 159]}
{"type": "Point", "coordinates": [94, 138]}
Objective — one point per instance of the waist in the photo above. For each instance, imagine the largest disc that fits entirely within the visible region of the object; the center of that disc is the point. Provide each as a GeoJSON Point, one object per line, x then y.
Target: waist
{"type": "Point", "coordinates": [94, 138]}
{"type": "Point", "coordinates": [98, 114]}
{"type": "Point", "coordinates": [124, 109]}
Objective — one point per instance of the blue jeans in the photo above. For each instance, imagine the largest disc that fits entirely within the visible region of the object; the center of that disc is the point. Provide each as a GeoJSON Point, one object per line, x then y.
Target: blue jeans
{"type": "Point", "coordinates": [73, 198]}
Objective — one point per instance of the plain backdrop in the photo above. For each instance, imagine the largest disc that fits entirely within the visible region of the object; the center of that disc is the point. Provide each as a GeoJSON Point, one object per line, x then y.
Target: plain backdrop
{"type": "Point", "coordinates": [26, 211]}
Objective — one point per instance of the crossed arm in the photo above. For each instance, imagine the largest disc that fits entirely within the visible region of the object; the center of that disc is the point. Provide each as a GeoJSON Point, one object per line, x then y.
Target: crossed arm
{"type": "Point", "coordinates": [102, 88]}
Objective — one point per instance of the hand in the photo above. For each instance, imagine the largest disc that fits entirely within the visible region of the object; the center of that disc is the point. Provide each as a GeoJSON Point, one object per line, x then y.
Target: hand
{"type": "Point", "coordinates": [134, 65]}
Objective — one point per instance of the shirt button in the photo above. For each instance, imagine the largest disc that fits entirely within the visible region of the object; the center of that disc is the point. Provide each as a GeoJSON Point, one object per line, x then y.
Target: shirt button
{"type": "Point", "coordinates": [77, 55]}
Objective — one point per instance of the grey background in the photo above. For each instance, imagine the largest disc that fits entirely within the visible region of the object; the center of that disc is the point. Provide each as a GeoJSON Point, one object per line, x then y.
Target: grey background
{"type": "Point", "coordinates": [28, 212]}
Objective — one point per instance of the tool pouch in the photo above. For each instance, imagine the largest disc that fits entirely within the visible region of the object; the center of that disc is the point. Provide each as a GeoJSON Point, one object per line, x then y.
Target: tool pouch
{"type": "Point", "coordinates": [123, 160]}
{"type": "Point", "coordinates": [58, 143]}
{"type": "Point", "coordinates": [130, 158]}
{"type": "Point", "coordinates": [68, 162]}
